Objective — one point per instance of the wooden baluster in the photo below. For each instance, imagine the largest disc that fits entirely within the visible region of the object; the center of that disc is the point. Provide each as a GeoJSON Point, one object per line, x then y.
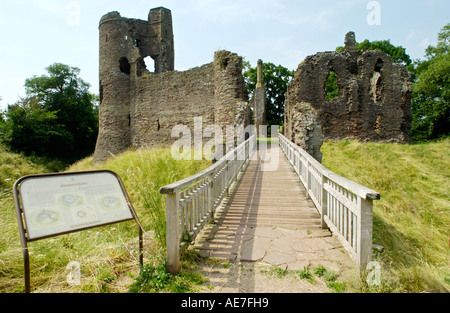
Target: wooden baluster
{"type": "Point", "coordinates": [364, 233]}
{"type": "Point", "coordinates": [173, 235]}
{"type": "Point", "coordinates": [324, 208]}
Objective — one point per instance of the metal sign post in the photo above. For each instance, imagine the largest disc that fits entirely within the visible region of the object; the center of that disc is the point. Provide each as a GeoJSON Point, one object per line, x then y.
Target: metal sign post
{"type": "Point", "coordinates": [51, 205]}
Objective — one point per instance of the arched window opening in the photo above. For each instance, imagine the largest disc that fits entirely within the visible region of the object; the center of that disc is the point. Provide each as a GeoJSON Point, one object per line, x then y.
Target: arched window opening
{"type": "Point", "coordinates": [378, 66]}
{"type": "Point", "coordinates": [331, 86]}
{"type": "Point", "coordinates": [125, 66]}
{"type": "Point", "coordinates": [376, 87]}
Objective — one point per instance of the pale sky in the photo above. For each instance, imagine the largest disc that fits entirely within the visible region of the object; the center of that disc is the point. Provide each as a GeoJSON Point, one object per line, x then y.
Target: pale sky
{"type": "Point", "coordinates": [38, 33]}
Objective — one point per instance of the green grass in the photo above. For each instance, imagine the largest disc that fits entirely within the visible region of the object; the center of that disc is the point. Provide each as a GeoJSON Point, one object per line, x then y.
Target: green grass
{"type": "Point", "coordinates": [155, 278]}
{"type": "Point", "coordinates": [412, 219]}
{"type": "Point", "coordinates": [411, 222]}
{"type": "Point", "coordinates": [319, 272]}
{"type": "Point", "coordinates": [109, 262]}
{"type": "Point", "coordinates": [144, 172]}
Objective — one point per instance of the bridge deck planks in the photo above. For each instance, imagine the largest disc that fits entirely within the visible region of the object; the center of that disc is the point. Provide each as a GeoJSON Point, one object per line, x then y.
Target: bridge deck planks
{"type": "Point", "coordinates": [270, 198]}
{"type": "Point", "coordinates": [268, 219]}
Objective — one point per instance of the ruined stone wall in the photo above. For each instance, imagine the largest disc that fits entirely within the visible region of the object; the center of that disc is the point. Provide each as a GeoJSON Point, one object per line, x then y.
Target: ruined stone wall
{"type": "Point", "coordinates": [165, 100]}
{"type": "Point", "coordinates": [373, 101]}
{"type": "Point", "coordinates": [230, 92]}
{"type": "Point", "coordinates": [212, 91]}
{"type": "Point", "coordinates": [138, 107]}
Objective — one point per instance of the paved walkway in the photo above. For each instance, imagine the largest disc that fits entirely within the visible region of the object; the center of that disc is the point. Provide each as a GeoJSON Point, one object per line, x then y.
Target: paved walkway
{"type": "Point", "coordinates": [267, 220]}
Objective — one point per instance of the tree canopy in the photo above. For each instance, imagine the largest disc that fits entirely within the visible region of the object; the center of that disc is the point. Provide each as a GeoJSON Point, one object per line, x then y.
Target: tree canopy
{"type": "Point", "coordinates": [58, 117]}
{"type": "Point", "coordinates": [276, 79]}
{"type": "Point", "coordinates": [2, 126]}
{"type": "Point", "coordinates": [397, 53]}
{"type": "Point", "coordinates": [431, 91]}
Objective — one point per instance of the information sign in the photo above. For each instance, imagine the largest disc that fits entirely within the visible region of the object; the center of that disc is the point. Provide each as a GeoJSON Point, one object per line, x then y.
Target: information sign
{"type": "Point", "coordinates": [49, 205]}
{"type": "Point", "coordinates": [62, 204]}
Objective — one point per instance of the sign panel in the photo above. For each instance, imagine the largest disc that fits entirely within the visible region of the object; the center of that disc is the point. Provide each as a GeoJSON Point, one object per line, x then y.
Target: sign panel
{"type": "Point", "coordinates": [58, 204]}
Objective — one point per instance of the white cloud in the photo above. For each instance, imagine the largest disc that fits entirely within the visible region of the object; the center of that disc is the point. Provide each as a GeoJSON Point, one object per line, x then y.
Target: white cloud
{"type": "Point", "coordinates": [425, 43]}
{"type": "Point", "coordinates": [322, 16]}
{"type": "Point", "coordinates": [326, 18]}
{"type": "Point", "coordinates": [411, 35]}
{"type": "Point", "coordinates": [52, 6]}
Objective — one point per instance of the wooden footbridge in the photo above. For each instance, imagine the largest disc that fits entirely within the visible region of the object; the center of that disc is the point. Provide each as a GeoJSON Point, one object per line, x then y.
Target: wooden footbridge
{"type": "Point", "coordinates": [265, 190]}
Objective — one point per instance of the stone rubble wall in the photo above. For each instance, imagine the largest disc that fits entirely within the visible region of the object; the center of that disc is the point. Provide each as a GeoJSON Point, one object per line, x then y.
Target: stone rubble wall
{"type": "Point", "coordinates": [373, 102]}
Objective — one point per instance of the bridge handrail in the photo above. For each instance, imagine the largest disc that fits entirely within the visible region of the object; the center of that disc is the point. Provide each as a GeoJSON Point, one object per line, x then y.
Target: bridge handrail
{"type": "Point", "coordinates": [346, 207]}
{"type": "Point", "coordinates": [191, 202]}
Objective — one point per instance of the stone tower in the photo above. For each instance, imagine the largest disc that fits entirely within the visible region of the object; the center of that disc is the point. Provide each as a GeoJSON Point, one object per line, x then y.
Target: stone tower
{"type": "Point", "coordinates": [124, 44]}
{"type": "Point", "coordinates": [140, 107]}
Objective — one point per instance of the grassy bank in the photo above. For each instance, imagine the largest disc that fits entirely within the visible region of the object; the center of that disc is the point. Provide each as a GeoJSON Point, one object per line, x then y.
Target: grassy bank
{"type": "Point", "coordinates": [412, 219]}
{"type": "Point", "coordinates": [107, 255]}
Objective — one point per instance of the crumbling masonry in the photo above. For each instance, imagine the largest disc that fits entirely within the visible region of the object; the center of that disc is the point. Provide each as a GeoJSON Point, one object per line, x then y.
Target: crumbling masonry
{"type": "Point", "coordinates": [139, 108]}
{"type": "Point", "coordinates": [372, 101]}
{"type": "Point", "coordinates": [259, 100]}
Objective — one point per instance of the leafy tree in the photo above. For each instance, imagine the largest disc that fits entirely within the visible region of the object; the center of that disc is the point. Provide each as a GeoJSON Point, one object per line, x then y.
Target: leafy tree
{"type": "Point", "coordinates": [431, 91]}
{"type": "Point", "coordinates": [57, 118]}
{"type": "Point", "coordinates": [397, 53]}
{"type": "Point", "coordinates": [30, 129]}
{"type": "Point", "coordinates": [276, 79]}
{"type": "Point", "coordinates": [443, 45]}
{"type": "Point", "coordinates": [2, 127]}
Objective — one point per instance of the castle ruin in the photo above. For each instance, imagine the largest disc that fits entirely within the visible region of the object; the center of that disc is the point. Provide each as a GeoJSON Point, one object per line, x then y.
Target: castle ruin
{"type": "Point", "coordinates": [139, 108]}
{"type": "Point", "coordinates": [371, 101]}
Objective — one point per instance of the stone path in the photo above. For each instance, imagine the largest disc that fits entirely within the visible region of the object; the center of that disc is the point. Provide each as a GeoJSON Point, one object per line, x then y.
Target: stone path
{"type": "Point", "coordinates": [268, 221]}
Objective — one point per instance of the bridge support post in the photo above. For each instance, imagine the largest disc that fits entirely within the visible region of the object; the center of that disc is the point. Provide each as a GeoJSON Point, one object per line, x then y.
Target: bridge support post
{"type": "Point", "coordinates": [364, 233]}
{"type": "Point", "coordinates": [173, 233]}
{"type": "Point", "coordinates": [324, 208]}
{"type": "Point", "coordinates": [308, 179]}
{"type": "Point", "coordinates": [211, 200]}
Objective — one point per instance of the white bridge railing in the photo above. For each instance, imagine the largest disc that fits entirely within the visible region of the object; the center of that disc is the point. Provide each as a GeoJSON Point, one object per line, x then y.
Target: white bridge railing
{"type": "Point", "coordinates": [191, 203]}
{"type": "Point", "coordinates": [345, 206]}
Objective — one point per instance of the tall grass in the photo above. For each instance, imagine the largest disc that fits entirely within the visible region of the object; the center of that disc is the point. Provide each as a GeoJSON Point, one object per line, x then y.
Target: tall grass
{"type": "Point", "coordinates": [144, 172]}
{"type": "Point", "coordinates": [108, 255]}
{"type": "Point", "coordinates": [412, 219]}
